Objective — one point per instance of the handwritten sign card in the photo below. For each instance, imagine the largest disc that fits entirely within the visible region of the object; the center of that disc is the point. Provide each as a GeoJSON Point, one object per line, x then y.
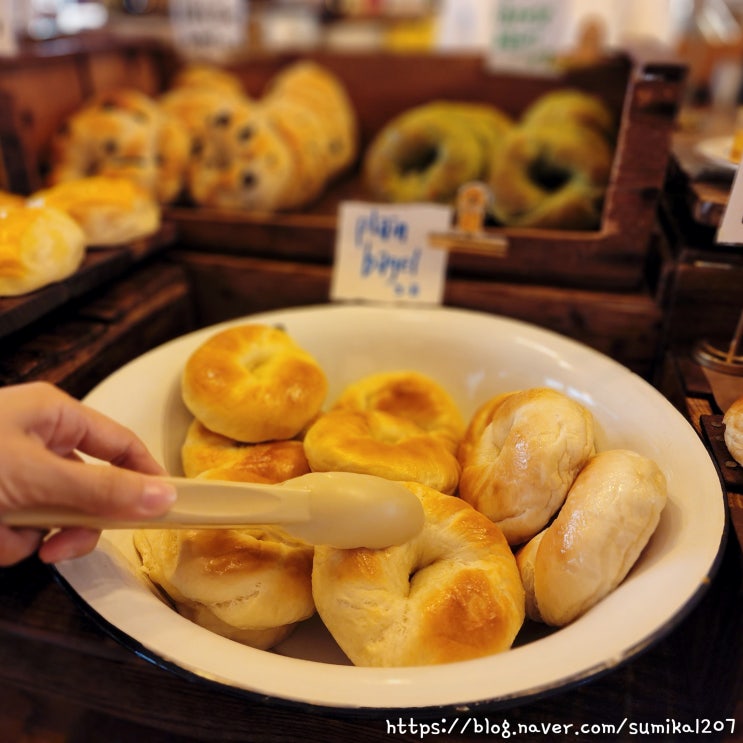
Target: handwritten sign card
{"type": "Point", "coordinates": [526, 34]}
{"type": "Point", "coordinates": [209, 29]}
{"type": "Point", "coordinates": [382, 253]}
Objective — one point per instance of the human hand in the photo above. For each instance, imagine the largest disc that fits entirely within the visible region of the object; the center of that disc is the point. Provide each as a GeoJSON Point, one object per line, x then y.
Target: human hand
{"type": "Point", "coordinates": [43, 432]}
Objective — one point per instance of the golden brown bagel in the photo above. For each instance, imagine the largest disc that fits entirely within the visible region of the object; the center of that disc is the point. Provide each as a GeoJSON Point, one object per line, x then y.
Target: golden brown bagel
{"type": "Point", "coordinates": [218, 457]}
{"type": "Point", "coordinates": [733, 420]}
{"type": "Point", "coordinates": [38, 246]}
{"type": "Point", "coordinates": [452, 593]}
{"type": "Point", "coordinates": [519, 457]}
{"type": "Point", "coordinates": [378, 443]}
{"type": "Point", "coordinates": [250, 585]}
{"type": "Point", "coordinates": [407, 394]}
{"type": "Point", "coordinates": [253, 383]}
{"type": "Point", "coordinates": [610, 513]}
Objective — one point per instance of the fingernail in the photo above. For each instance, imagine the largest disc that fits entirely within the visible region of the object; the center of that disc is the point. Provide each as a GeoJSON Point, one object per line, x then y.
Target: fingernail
{"type": "Point", "coordinates": [157, 497]}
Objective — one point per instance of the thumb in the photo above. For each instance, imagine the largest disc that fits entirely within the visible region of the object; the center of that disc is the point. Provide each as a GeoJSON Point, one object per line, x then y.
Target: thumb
{"type": "Point", "coordinates": [96, 489]}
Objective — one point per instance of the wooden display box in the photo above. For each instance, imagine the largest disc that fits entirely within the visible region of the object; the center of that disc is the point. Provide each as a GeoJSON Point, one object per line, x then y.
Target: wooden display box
{"type": "Point", "coordinates": [38, 90]}
{"type": "Point", "coordinates": [644, 95]}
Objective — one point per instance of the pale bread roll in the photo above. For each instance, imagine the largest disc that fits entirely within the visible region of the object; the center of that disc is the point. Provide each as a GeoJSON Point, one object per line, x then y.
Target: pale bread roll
{"type": "Point", "coordinates": [253, 383]}
{"type": "Point", "coordinates": [111, 211]}
{"type": "Point", "coordinates": [452, 593]}
{"type": "Point", "coordinates": [609, 515]}
{"type": "Point", "coordinates": [251, 585]}
{"type": "Point", "coordinates": [38, 246]}
{"type": "Point", "coordinates": [733, 420]}
{"type": "Point", "coordinates": [519, 457]}
{"type": "Point", "coordinates": [218, 457]}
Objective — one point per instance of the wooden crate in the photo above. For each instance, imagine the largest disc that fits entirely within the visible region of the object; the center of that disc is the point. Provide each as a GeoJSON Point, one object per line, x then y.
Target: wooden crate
{"type": "Point", "coordinates": [644, 95]}
{"type": "Point", "coordinates": [38, 91]}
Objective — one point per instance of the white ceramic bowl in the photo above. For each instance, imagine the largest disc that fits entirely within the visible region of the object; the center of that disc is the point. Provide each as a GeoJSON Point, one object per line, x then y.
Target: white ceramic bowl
{"type": "Point", "coordinates": [475, 356]}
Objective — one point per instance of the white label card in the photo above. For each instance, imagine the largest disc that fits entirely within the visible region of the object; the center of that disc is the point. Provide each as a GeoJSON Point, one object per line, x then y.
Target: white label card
{"type": "Point", "coordinates": [382, 253]}
{"type": "Point", "coordinates": [731, 225]}
{"type": "Point", "coordinates": [209, 28]}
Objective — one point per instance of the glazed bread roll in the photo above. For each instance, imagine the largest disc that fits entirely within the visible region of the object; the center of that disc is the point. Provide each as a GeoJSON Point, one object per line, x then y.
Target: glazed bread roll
{"type": "Point", "coordinates": [38, 246]}
{"type": "Point", "coordinates": [251, 585]}
{"type": "Point", "coordinates": [609, 515]}
{"type": "Point", "coordinates": [452, 593]}
{"type": "Point", "coordinates": [398, 425]}
{"type": "Point", "coordinates": [377, 443]}
{"type": "Point", "coordinates": [733, 420]}
{"type": "Point", "coordinates": [253, 383]}
{"type": "Point", "coordinates": [111, 211]}
{"type": "Point", "coordinates": [410, 395]}
{"type": "Point", "coordinates": [217, 457]}
{"type": "Point", "coordinates": [520, 455]}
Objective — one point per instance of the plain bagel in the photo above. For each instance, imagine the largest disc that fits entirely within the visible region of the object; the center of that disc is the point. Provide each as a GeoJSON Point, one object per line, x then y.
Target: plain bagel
{"type": "Point", "coordinates": [253, 383]}
{"type": "Point", "coordinates": [519, 457]}
{"type": "Point", "coordinates": [610, 513]}
{"type": "Point", "coordinates": [452, 593]}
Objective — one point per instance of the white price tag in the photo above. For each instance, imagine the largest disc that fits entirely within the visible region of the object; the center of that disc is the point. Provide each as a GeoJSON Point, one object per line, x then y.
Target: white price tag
{"type": "Point", "coordinates": [382, 253]}
{"type": "Point", "coordinates": [208, 28]}
{"type": "Point", "coordinates": [527, 34]}
{"type": "Point", "coordinates": [730, 230]}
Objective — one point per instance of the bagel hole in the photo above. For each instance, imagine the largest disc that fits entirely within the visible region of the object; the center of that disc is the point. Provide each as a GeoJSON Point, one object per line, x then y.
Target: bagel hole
{"type": "Point", "coordinates": [547, 175]}
{"type": "Point", "coordinates": [418, 159]}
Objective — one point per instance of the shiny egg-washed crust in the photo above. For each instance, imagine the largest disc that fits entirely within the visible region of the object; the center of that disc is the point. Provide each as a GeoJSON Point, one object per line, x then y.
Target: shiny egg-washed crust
{"type": "Point", "coordinates": [38, 246]}
{"type": "Point", "coordinates": [407, 394]}
{"type": "Point", "coordinates": [253, 383]}
{"type": "Point", "coordinates": [401, 425]}
{"type": "Point", "coordinates": [376, 443]}
{"type": "Point", "coordinates": [110, 210]}
{"type": "Point", "coordinates": [217, 457]}
{"type": "Point", "coordinates": [733, 420]}
{"type": "Point", "coordinates": [611, 511]}
{"type": "Point", "coordinates": [520, 455]}
{"type": "Point", "coordinates": [452, 593]}
{"type": "Point", "coordinates": [252, 585]}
